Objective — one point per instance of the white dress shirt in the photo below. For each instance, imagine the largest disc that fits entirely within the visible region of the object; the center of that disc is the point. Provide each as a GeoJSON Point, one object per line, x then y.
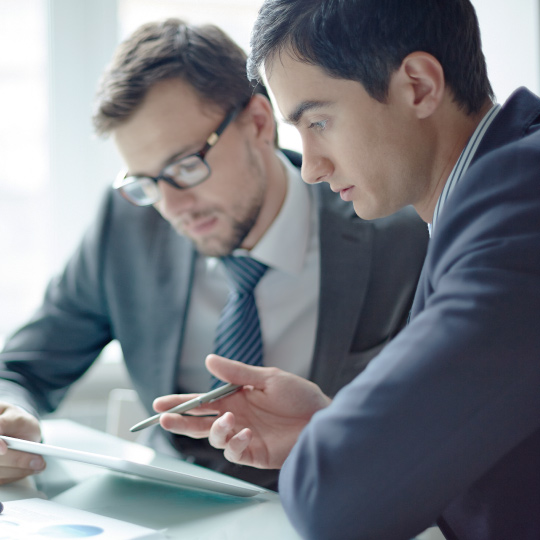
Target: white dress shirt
{"type": "Point", "coordinates": [462, 164]}
{"type": "Point", "coordinates": [287, 296]}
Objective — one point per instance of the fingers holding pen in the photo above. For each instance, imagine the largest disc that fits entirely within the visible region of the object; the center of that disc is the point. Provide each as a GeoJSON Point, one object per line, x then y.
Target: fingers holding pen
{"type": "Point", "coordinates": [164, 403]}
{"type": "Point", "coordinates": [196, 423]}
{"type": "Point", "coordinates": [197, 427]}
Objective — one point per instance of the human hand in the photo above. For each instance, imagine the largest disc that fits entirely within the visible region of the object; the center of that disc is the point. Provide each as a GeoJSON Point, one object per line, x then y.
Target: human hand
{"type": "Point", "coordinates": [16, 422]}
{"type": "Point", "coordinates": [259, 424]}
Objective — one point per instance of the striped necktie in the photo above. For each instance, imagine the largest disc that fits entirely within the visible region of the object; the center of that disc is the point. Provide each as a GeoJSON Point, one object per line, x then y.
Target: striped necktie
{"type": "Point", "coordinates": [238, 334]}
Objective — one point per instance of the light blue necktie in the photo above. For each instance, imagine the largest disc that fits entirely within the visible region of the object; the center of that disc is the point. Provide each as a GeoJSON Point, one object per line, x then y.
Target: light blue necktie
{"type": "Point", "coordinates": [238, 334]}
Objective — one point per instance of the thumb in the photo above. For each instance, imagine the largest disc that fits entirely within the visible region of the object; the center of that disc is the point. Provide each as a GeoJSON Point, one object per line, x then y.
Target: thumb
{"type": "Point", "coordinates": [236, 372]}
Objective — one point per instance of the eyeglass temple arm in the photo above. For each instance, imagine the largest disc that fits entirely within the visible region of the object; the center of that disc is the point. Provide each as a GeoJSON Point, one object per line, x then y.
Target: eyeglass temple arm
{"type": "Point", "coordinates": [214, 136]}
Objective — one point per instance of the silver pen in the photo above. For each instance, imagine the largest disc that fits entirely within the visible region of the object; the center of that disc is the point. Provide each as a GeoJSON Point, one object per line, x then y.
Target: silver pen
{"type": "Point", "coordinates": [213, 395]}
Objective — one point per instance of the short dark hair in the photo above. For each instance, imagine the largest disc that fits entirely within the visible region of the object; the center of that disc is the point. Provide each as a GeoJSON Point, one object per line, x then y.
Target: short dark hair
{"type": "Point", "coordinates": [367, 40]}
{"type": "Point", "coordinates": [203, 56]}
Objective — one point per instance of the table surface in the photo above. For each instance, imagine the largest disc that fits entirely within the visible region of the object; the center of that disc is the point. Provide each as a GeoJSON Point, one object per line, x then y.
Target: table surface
{"type": "Point", "coordinates": [183, 513]}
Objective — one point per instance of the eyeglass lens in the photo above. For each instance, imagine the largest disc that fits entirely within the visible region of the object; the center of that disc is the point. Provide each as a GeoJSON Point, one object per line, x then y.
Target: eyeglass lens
{"type": "Point", "coordinates": [187, 171]}
{"type": "Point", "coordinates": [142, 192]}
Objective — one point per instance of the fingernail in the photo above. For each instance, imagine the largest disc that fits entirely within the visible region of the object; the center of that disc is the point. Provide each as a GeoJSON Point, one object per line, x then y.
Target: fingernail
{"type": "Point", "coordinates": [242, 435]}
{"type": "Point", "coordinates": [37, 464]}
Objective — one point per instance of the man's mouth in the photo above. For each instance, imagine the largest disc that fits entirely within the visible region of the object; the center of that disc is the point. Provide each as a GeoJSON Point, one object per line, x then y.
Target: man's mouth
{"type": "Point", "coordinates": [200, 226]}
{"type": "Point", "coordinates": [197, 225]}
{"type": "Point", "coordinates": [346, 193]}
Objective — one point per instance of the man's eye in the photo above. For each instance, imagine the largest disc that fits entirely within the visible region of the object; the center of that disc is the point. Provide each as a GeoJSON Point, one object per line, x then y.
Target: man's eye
{"type": "Point", "coordinates": [184, 167]}
{"type": "Point", "coordinates": [319, 126]}
{"type": "Point", "coordinates": [188, 167]}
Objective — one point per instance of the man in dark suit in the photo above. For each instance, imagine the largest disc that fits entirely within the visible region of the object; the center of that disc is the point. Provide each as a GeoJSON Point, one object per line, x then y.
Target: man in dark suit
{"type": "Point", "coordinates": [199, 148]}
{"type": "Point", "coordinates": [394, 107]}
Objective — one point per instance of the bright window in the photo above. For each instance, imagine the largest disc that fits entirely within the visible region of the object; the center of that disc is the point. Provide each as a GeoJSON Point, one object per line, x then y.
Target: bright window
{"type": "Point", "coordinates": [24, 201]}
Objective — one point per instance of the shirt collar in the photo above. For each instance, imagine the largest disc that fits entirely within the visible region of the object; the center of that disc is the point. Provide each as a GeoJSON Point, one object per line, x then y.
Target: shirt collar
{"type": "Point", "coordinates": [285, 243]}
{"type": "Point", "coordinates": [462, 164]}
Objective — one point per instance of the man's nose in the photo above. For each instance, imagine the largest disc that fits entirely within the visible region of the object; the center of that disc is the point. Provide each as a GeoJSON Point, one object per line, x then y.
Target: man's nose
{"type": "Point", "coordinates": [315, 166]}
{"type": "Point", "coordinates": [174, 201]}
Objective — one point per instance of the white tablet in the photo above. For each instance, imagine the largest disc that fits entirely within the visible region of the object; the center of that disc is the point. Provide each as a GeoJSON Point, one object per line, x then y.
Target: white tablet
{"type": "Point", "coordinates": [133, 468]}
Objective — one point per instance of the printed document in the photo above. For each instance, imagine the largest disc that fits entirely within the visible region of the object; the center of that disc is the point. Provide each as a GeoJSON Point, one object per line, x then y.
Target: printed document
{"type": "Point", "coordinates": [38, 519]}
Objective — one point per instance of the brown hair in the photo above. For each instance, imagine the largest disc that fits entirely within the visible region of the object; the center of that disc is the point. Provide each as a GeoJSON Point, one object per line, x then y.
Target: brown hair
{"type": "Point", "coordinates": [203, 56]}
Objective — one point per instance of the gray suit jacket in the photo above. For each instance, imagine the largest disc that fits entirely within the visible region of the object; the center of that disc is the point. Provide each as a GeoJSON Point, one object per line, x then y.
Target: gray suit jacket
{"type": "Point", "coordinates": [131, 277]}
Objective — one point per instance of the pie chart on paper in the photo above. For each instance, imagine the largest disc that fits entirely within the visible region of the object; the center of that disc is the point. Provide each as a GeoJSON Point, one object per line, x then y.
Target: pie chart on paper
{"type": "Point", "coordinates": [70, 531]}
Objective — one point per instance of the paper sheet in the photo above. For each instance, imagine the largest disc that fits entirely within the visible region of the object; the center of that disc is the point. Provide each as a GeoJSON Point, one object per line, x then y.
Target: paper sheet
{"type": "Point", "coordinates": [37, 519]}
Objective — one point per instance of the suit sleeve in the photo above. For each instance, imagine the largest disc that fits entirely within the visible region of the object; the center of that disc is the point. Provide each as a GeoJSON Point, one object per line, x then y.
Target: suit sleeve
{"type": "Point", "coordinates": [455, 391]}
{"type": "Point", "coordinates": [66, 334]}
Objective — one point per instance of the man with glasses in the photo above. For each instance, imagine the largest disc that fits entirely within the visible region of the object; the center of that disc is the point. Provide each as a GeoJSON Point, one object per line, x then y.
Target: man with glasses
{"type": "Point", "coordinates": [207, 187]}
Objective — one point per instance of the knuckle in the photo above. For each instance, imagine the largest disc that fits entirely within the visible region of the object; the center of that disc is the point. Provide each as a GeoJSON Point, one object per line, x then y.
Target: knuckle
{"type": "Point", "coordinates": [272, 371]}
{"type": "Point", "coordinates": [230, 455]}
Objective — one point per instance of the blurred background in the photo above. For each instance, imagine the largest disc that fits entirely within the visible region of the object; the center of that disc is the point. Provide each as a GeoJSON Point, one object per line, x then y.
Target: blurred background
{"type": "Point", "coordinates": [53, 170]}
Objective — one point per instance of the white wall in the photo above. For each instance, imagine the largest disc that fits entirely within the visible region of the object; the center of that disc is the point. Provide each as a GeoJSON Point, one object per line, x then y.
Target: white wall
{"type": "Point", "coordinates": [82, 36]}
{"type": "Point", "coordinates": [511, 42]}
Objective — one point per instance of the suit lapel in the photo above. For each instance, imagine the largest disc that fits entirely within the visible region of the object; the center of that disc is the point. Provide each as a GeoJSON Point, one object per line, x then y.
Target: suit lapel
{"type": "Point", "coordinates": [346, 259]}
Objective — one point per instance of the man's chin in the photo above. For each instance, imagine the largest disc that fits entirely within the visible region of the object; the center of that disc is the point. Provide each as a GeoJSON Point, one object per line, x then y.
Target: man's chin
{"type": "Point", "coordinates": [208, 245]}
{"type": "Point", "coordinates": [213, 247]}
{"type": "Point", "coordinates": [219, 245]}
{"type": "Point", "coordinates": [370, 212]}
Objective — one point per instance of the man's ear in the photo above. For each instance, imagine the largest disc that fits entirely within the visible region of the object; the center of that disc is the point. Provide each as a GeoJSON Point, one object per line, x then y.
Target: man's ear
{"type": "Point", "coordinates": [259, 111]}
{"type": "Point", "coordinates": [421, 82]}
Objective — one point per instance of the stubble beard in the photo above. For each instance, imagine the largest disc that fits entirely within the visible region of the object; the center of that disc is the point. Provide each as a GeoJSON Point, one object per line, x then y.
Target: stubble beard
{"type": "Point", "coordinates": [240, 221]}
{"type": "Point", "coordinates": [221, 245]}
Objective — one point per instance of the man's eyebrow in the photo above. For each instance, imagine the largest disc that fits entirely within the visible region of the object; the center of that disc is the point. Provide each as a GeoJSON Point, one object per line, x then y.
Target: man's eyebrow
{"type": "Point", "coordinates": [185, 151]}
{"type": "Point", "coordinates": [175, 156]}
{"type": "Point", "coordinates": [295, 117]}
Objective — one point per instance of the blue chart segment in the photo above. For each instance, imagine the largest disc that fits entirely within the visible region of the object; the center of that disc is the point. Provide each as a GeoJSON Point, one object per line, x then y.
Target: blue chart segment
{"type": "Point", "coordinates": [70, 531]}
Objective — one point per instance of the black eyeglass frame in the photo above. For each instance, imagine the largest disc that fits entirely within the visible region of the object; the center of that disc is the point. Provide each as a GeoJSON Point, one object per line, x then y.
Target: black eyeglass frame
{"type": "Point", "coordinates": [120, 183]}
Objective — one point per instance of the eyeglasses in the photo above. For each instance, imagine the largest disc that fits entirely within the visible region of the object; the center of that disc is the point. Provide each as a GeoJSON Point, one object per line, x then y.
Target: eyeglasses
{"type": "Point", "coordinates": [183, 173]}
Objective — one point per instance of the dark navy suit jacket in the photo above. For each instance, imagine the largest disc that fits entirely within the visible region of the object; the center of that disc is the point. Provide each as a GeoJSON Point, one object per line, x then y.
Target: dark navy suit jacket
{"type": "Point", "coordinates": [445, 422]}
